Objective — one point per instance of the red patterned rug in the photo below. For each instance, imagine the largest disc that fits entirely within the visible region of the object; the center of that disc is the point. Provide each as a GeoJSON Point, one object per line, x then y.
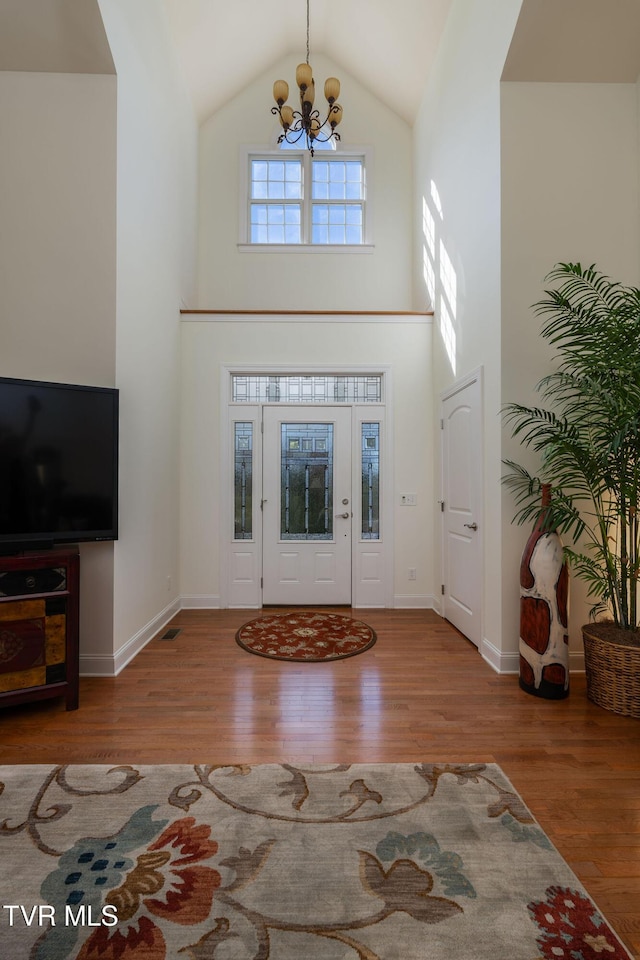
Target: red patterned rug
{"type": "Point", "coordinates": [305, 635]}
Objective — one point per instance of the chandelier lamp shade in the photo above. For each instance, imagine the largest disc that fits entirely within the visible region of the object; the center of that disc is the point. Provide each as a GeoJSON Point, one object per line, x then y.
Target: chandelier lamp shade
{"type": "Point", "coordinates": [306, 126]}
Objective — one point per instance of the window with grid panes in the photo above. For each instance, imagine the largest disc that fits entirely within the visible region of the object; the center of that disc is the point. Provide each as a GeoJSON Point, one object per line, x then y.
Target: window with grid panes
{"type": "Point", "coordinates": [299, 199]}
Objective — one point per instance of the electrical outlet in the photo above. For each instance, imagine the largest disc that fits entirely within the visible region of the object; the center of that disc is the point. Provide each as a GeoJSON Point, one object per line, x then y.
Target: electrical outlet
{"type": "Point", "coordinates": [412, 573]}
{"type": "Point", "coordinates": [408, 499]}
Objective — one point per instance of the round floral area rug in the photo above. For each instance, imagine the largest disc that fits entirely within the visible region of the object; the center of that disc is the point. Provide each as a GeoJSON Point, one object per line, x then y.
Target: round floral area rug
{"type": "Point", "coordinates": [309, 636]}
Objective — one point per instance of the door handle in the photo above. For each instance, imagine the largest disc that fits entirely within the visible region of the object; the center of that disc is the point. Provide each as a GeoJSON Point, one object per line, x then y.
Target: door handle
{"type": "Point", "coordinates": [344, 516]}
{"type": "Point", "coordinates": [471, 526]}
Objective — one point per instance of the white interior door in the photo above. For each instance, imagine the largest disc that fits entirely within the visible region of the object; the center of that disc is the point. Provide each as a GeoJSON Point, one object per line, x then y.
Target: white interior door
{"type": "Point", "coordinates": [462, 500]}
{"type": "Point", "coordinates": [307, 513]}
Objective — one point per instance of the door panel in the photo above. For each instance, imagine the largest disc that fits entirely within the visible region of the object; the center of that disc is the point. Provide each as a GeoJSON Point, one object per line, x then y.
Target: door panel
{"type": "Point", "coordinates": [462, 526]}
{"type": "Point", "coordinates": [306, 509]}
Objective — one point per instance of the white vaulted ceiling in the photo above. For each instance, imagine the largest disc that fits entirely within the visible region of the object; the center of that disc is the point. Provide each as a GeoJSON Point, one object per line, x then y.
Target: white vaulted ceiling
{"type": "Point", "coordinates": [576, 41]}
{"type": "Point", "coordinates": [223, 45]}
{"type": "Point", "coordinates": [387, 46]}
{"type": "Point", "coordinates": [53, 36]}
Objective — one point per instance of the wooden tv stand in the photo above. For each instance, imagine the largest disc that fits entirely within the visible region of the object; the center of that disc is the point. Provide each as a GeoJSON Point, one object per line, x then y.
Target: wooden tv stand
{"type": "Point", "coordinates": [39, 656]}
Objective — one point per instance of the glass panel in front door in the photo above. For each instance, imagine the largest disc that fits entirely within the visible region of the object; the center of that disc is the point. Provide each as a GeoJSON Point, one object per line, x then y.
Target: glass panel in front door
{"type": "Point", "coordinates": [243, 481]}
{"type": "Point", "coordinates": [306, 481]}
{"type": "Point", "coordinates": [370, 481]}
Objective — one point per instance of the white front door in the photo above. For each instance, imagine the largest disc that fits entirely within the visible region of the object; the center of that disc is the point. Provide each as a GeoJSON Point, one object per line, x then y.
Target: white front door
{"type": "Point", "coordinates": [462, 499]}
{"type": "Point", "coordinates": [307, 513]}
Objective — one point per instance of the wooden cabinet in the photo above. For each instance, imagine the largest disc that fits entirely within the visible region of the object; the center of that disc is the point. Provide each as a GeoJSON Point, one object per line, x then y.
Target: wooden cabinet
{"type": "Point", "coordinates": [39, 626]}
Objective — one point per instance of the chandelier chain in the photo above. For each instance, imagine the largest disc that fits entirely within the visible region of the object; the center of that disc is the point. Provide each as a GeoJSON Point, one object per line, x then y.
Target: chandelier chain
{"type": "Point", "coordinates": [307, 31]}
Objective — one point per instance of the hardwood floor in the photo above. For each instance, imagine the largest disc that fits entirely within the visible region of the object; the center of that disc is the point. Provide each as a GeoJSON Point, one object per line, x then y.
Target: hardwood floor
{"type": "Point", "coordinates": [421, 693]}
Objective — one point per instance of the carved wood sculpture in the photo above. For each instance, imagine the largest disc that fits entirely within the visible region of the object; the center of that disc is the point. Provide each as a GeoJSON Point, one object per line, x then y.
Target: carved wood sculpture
{"type": "Point", "coordinates": [544, 589]}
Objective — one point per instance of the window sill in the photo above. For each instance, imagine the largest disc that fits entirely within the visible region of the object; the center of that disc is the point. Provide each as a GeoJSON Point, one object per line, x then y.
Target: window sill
{"type": "Point", "coordinates": [306, 248]}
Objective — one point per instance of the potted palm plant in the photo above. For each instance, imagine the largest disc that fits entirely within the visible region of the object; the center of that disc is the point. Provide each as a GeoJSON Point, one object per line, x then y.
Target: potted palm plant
{"type": "Point", "coordinates": [586, 433]}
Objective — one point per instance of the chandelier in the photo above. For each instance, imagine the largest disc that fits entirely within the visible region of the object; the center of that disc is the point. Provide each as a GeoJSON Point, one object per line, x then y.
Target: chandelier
{"type": "Point", "coordinates": [305, 124]}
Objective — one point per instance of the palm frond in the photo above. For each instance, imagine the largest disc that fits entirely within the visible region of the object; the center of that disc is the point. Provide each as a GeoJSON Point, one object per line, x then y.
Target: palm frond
{"type": "Point", "coordinates": [586, 433]}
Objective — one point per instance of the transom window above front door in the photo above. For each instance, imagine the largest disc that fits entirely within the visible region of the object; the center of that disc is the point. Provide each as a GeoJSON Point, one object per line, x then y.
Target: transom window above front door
{"type": "Point", "coordinates": [310, 388]}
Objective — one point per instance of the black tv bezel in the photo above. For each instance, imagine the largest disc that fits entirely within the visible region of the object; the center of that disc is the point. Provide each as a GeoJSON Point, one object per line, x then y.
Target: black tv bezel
{"type": "Point", "coordinates": [46, 539]}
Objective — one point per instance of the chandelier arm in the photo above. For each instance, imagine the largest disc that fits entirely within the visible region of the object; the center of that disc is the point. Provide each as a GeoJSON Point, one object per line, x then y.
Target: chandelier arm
{"type": "Point", "coordinates": [292, 135]}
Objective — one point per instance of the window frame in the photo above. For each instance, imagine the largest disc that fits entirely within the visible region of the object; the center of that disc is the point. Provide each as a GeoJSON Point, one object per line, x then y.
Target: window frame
{"type": "Point", "coordinates": [249, 153]}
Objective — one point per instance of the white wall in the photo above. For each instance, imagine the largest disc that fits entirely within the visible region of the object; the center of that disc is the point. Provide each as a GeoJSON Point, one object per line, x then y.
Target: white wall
{"type": "Point", "coordinates": [90, 165]}
{"type": "Point", "coordinates": [570, 168]}
{"type": "Point", "coordinates": [57, 261]}
{"type": "Point", "coordinates": [230, 279]}
{"type": "Point", "coordinates": [207, 344]}
{"type": "Point", "coordinates": [156, 168]}
{"type": "Point", "coordinates": [457, 147]}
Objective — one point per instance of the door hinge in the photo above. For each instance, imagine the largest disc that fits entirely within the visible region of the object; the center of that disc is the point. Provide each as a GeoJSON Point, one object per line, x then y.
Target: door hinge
{"type": "Point", "coordinates": [442, 424]}
{"type": "Point", "coordinates": [442, 506]}
{"type": "Point", "coordinates": [261, 583]}
{"type": "Point", "coordinates": [262, 426]}
{"type": "Point", "coordinates": [442, 589]}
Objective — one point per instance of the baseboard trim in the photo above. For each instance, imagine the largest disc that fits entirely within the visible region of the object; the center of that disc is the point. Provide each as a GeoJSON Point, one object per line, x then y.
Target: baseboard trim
{"type": "Point", "coordinates": [97, 665]}
{"type": "Point", "coordinates": [200, 601]}
{"type": "Point", "coordinates": [438, 606]}
{"type": "Point", "coordinates": [576, 661]}
{"type": "Point", "coordinates": [509, 663]}
{"type": "Point", "coordinates": [101, 665]}
{"type": "Point", "coordinates": [414, 602]}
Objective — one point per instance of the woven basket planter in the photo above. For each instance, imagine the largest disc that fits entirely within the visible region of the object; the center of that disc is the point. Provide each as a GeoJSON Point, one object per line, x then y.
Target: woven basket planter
{"type": "Point", "coordinates": [613, 671]}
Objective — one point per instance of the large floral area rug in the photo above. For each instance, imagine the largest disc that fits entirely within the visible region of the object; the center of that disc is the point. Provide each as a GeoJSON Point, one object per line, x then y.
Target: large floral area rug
{"type": "Point", "coordinates": [281, 862]}
{"type": "Point", "coordinates": [306, 635]}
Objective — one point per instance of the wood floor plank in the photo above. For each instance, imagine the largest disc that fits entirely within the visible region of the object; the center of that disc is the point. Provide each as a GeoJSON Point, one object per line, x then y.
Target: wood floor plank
{"type": "Point", "coordinates": [422, 693]}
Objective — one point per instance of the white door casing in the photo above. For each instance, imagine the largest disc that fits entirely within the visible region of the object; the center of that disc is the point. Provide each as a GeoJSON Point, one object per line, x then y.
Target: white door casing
{"type": "Point", "coordinates": [243, 562]}
{"type": "Point", "coordinates": [462, 533]}
{"type": "Point", "coordinates": [312, 567]}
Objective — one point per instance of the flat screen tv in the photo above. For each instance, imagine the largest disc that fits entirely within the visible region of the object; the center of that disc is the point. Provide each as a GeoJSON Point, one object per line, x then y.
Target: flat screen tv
{"type": "Point", "coordinates": [58, 464]}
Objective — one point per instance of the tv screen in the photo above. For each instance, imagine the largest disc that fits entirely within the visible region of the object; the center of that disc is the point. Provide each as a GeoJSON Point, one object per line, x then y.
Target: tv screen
{"type": "Point", "coordinates": [58, 463]}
